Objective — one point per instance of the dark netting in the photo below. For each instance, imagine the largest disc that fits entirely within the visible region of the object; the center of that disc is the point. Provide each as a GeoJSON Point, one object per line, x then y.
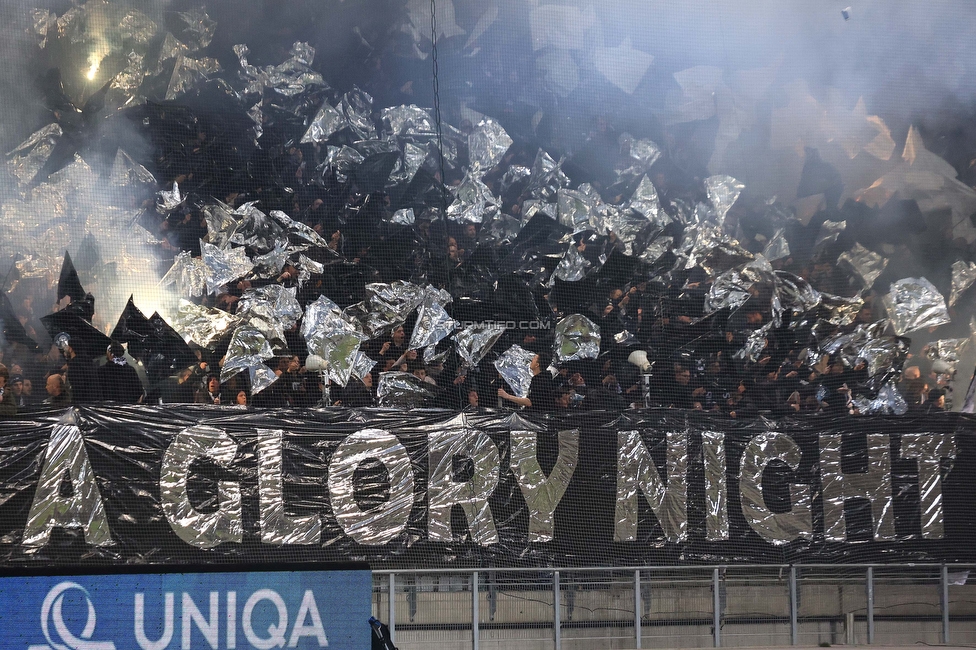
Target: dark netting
{"type": "Point", "coordinates": [510, 211]}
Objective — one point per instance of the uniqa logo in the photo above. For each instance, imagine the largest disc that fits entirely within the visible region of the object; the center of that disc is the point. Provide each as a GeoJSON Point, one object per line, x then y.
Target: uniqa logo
{"type": "Point", "coordinates": [51, 615]}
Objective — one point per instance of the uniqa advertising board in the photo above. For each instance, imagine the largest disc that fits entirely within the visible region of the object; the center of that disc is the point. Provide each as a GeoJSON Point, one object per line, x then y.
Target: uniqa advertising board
{"type": "Point", "coordinates": [212, 609]}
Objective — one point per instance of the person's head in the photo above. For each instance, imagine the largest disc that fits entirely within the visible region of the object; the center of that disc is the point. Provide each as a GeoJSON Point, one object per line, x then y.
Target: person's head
{"type": "Point", "coordinates": [241, 398]}
{"type": "Point", "coordinates": [564, 397]}
{"type": "Point", "coordinates": [63, 341]}
{"type": "Point", "coordinates": [17, 385]}
{"type": "Point", "coordinates": [937, 398]}
{"type": "Point", "coordinates": [913, 372]}
{"type": "Point", "coordinates": [682, 375]}
{"type": "Point", "coordinates": [54, 385]}
{"type": "Point", "coordinates": [368, 380]}
{"type": "Point", "coordinates": [115, 351]}
{"type": "Point", "coordinates": [472, 397]}
{"type": "Point", "coordinates": [28, 387]}
{"type": "Point", "coordinates": [470, 230]}
{"type": "Point", "coordinates": [536, 365]}
{"type": "Point", "coordinates": [184, 374]}
{"type": "Point", "coordinates": [213, 384]}
{"type": "Point", "coordinates": [294, 363]}
{"type": "Point", "coordinates": [4, 375]}
{"type": "Point", "coordinates": [420, 372]}
{"type": "Point", "coordinates": [399, 335]}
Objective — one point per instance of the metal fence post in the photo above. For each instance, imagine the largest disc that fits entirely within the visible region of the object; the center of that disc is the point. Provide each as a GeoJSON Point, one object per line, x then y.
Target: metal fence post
{"type": "Point", "coordinates": [475, 615]}
{"type": "Point", "coordinates": [555, 609]}
{"type": "Point", "coordinates": [638, 617]}
{"type": "Point", "coordinates": [945, 604]}
{"type": "Point", "coordinates": [870, 599]}
{"type": "Point", "coordinates": [392, 622]}
{"type": "Point", "coordinates": [794, 626]}
{"type": "Point", "coordinates": [716, 608]}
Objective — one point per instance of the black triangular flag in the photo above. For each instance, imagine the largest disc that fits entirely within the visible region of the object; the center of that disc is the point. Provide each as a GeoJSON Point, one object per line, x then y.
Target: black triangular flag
{"type": "Point", "coordinates": [68, 283]}
{"type": "Point", "coordinates": [13, 331]}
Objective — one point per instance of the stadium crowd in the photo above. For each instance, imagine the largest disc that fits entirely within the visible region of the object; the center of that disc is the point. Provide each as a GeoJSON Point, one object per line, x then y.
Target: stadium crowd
{"type": "Point", "coordinates": [701, 294]}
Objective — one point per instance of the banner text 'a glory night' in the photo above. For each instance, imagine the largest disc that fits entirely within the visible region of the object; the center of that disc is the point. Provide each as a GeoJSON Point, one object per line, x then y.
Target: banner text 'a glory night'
{"type": "Point", "coordinates": [420, 489]}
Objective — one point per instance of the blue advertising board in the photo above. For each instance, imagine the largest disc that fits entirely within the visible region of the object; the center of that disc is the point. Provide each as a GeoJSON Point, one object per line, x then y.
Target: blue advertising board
{"type": "Point", "coordinates": [161, 611]}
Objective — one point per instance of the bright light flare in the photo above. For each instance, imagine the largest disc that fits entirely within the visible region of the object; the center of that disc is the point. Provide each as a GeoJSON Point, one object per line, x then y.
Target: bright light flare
{"type": "Point", "coordinates": [94, 61]}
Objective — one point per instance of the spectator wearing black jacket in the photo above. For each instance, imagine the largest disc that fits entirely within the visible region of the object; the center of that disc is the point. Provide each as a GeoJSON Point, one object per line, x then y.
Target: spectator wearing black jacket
{"type": "Point", "coordinates": [82, 377]}
{"type": "Point", "coordinates": [16, 387]}
{"type": "Point", "coordinates": [118, 380]}
{"type": "Point", "coordinates": [58, 395]}
{"type": "Point", "coordinates": [7, 404]}
{"type": "Point", "coordinates": [210, 393]}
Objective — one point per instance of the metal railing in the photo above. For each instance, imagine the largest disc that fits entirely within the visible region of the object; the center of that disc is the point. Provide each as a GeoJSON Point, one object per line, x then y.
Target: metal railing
{"type": "Point", "coordinates": [686, 606]}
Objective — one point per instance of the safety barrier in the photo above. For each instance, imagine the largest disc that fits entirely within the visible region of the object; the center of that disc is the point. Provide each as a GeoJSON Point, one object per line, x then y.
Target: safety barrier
{"type": "Point", "coordinates": [679, 606]}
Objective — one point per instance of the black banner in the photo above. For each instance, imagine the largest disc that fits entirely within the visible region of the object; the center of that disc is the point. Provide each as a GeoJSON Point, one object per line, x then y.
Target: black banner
{"type": "Point", "coordinates": [198, 484]}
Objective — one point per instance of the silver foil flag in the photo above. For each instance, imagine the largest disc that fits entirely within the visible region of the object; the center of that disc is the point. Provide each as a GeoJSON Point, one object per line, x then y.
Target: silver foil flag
{"type": "Point", "coordinates": [577, 337]}
{"type": "Point", "coordinates": [576, 209]}
{"type": "Point", "coordinates": [723, 192]}
{"type": "Point", "coordinates": [778, 247]}
{"type": "Point", "coordinates": [126, 171]}
{"type": "Point", "coordinates": [188, 73]}
{"type": "Point", "coordinates": [487, 145]}
{"type": "Point", "coordinates": [305, 234]}
{"type": "Point", "coordinates": [248, 350]}
{"type": "Point", "coordinates": [390, 304]}
{"type": "Point", "coordinates": [356, 106]}
{"type": "Point", "coordinates": [433, 322]}
{"type": "Point", "coordinates": [407, 120]}
{"type": "Point", "coordinates": [203, 325]}
{"type": "Point", "coordinates": [641, 154]}
{"type": "Point", "coordinates": [546, 177]}
{"type": "Point", "coordinates": [829, 233]}
{"type": "Point", "coordinates": [221, 223]}
{"type": "Point", "coordinates": [656, 249]}
{"type": "Point", "coordinates": [915, 303]}
{"type": "Point", "coordinates": [403, 217]}
{"type": "Point", "coordinates": [865, 265]}
{"type": "Point", "coordinates": [645, 200]}
{"type": "Point", "coordinates": [199, 29]}
{"type": "Point", "coordinates": [963, 276]}
{"type": "Point", "coordinates": [224, 266]}
{"type": "Point", "coordinates": [326, 123]}
{"type": "Point", "coordinates": [475, 340]}
{"type": "Point", "coordinates": [842, 311]}
{"type": "Point", "coordinates": [334, 337]}
{"type": "Point", "coordinates": [362, 366]}
{"type": "Point", "coordinates": [189, 274]}
{"type": "Point", "coordinates": [169, 200]}
{"type": "Point", "coordinates": [514, 367]}
{"type": "Point", "coordinates": [755, 343]}
{"type": "Point", "coordinates": [402, 389]}
{"type": "Point", "coordinates": [473, 202]}
{"type": "Point", "coordinates": [27, 159]}
{"type": "Point", "coordinates": [733, 287]}
{"type": "Point", "coordinates": [888, 402]}
{"type": "Point", "coordinates": [795, 293]}
{"type": "Point", "coordinates": [271, 309]}
{"type": "Point", "coordinates": [572, 267]}
{"type": "Point", "coordinates": [948, 350]}
{"type": "Point", "coordinates": [306, 268]}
